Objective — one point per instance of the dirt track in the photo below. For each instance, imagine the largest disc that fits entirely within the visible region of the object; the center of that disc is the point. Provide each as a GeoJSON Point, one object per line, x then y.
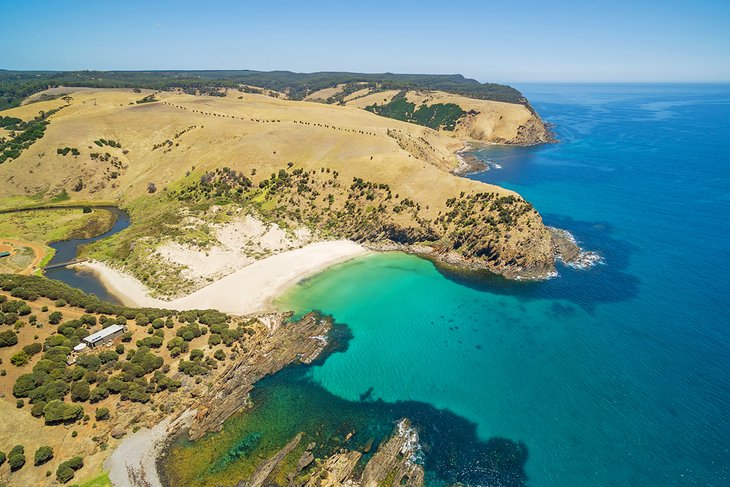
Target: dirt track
{"type": "Point", "coordinates": [38, 250]}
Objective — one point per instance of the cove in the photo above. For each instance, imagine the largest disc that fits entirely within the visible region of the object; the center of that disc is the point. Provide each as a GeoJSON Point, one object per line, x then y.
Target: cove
{"type": "Point", "coordinates": [615, 375]}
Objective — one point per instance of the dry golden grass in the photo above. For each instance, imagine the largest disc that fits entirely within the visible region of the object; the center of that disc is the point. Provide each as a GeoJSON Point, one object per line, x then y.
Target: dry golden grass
{"type": "Point", "coordinates": [377, 98]}
{"type": "Point", "coordinates": [324, 93]}
{"type": "Point", "coordinates": [253, 132]}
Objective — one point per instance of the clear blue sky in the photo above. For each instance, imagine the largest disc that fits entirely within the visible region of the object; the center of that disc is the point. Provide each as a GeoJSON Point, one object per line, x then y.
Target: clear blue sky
{"type": "Point", "coordinates": [528, 40]}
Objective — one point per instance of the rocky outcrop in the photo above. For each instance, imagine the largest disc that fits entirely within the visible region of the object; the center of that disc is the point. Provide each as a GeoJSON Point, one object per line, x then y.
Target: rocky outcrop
{"type": "Point", "coordinates": [261, 476]}
{"type": "Point", "coordinates": [336, 470]}
{"type": "Point", "coordinates": [394, 462]}
{"type": "Point", "coordinates": [268, 351]}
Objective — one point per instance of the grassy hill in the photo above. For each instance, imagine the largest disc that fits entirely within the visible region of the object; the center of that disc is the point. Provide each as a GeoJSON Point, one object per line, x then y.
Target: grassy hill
{"type": "Point", "coordinates": [338, 170]}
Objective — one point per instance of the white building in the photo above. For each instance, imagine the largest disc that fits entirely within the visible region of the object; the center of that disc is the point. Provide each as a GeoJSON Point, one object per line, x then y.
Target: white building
{"type": "Point", "coordinates": [105, 335]}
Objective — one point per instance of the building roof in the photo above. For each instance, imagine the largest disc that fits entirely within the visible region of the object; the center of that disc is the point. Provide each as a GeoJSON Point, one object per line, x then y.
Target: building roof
{"type": "Point", "coordinates": [103, 333]}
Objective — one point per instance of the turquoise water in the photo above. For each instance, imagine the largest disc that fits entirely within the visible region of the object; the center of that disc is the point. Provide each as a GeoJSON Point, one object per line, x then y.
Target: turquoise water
{"type": "Point", "coordinates": [616, 375]}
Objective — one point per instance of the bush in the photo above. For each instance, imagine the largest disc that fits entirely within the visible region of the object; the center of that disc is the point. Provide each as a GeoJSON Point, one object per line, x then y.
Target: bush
{"type": "Point", "coordinates": [80, 391]}
{"type": "Point", "coordinates": [219, 354]}
{"type": "Point", "coordinates": [57, 411]}
{"type": "Point", "coordinates": [64, 473]}
{"type": "Point", "coordinates": [16, 461]}
{"type": "Point", "coordinates": [8, 338]}
{"type": "Point", "coordinates": [55, 317]}
{"type": "Point", "coordinates": [2, 458]}
{"type": "Point", "coordinates": [98, 393]}
{"type": "Point", "coordinates": [19, 403]}
{"type": "Point", "coordinates": [43, 455]}
{"type": "Point", "coordinates": [19, 359]}
{"type": "Point", "coordinates": [102, 414]}
{"type": "Point", "coordinates": [33, 348]}
{"type": "Point", "coordinates": [60, 303]}
{"type": "Point", "coordinates": [37, 410]}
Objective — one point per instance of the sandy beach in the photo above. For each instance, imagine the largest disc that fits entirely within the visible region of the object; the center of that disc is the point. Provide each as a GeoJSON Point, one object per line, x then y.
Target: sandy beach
{"type": "Point", "coordinates": [134, 462]}
{"type": "Point", "coordinates": [250, 289]}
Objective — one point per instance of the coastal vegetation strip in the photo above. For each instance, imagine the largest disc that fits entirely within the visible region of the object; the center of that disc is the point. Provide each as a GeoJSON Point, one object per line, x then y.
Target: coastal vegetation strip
{"type": "Point", "coordinates": [18, 85]}
{"type": "Point", "coordinates": [436, 116]}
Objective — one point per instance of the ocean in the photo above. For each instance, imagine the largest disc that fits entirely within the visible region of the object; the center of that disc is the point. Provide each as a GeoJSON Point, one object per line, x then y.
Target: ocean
{"type": "Point", "coordinates": [615, 375]}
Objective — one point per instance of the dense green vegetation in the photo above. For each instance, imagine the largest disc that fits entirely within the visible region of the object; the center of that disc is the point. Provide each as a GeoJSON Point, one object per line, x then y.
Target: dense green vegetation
{"type": "Point", "coordinates": [24, 134]}
{"type": "Point", "coordinates": [436, 116]}
{"type": "Point", "coordinates": [16, 85]}
{"type": "Point", "coordinates": [56, 387]}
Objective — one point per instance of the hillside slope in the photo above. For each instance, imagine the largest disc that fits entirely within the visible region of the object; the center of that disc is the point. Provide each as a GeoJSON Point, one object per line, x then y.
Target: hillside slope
{"type": "Point", "coordinates": [340, 171]}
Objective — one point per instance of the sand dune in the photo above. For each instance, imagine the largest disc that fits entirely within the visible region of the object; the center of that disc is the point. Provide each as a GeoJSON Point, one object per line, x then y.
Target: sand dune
{"type": "Point", "coordinates": [248, 290]}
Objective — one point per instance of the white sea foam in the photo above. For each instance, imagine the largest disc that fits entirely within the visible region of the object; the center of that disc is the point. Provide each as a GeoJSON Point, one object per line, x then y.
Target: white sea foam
{"type": "Point", "coordinates": [586, 258]}
{"type": "Point", "coordinates": [412, 446]}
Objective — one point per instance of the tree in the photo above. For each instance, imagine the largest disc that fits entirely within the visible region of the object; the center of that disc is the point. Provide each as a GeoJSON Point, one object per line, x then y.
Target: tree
{"type": "Point", "coordinates": [55, 317]}
{"type": "Point", "coordinates": [80, 391]}
{"type": "Point", "coordinates": [43, 455]}
{"type": "Point", "coordinates": [19, 359]}
{"type": "Point", "coordinates": [16, 462]}
{"type": "Point", "coordinates": [64, 473]}
{"type": "Point", "coordinates": [102, 414]}
{"type": "Point", "coordinates": [57, 411]}
{"type": "Point", "coordinates": [8, 338]}
{"type": "Point", "coordinates": [33, 348]}
{"type": "Point", "coordinates": [16, 458]}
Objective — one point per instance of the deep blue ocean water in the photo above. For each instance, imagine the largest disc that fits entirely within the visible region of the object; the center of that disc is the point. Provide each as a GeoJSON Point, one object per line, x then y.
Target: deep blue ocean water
{"type": "Point", "coordinates": [618, 375]}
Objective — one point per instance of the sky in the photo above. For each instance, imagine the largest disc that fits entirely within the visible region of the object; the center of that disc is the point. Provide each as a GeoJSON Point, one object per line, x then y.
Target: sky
{"type": "Point", "coordinates": [504, 41]}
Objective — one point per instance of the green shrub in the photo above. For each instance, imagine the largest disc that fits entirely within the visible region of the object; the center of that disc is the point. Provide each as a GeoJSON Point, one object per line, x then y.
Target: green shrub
{"type": "Point", "coordinates": [102, 414]}
{"type": "Point", "coordinates": [55, 317]}
{"type": "Point", "coordinates": [37, 410]}
{"type": "Point", "coordinates": [43, 455]}
{"type": "Point", "coordinates": [20, 358]}
{"type": "Point", "coordinates": [33, 348]}
{"type": "Point", "coordinates": [16, 462]}
{"type": "Point", "coordinates": [19, 403]}
{"type": "Point", "coordinates": [2, 458]}
{"type": "Point", "coordinates": [8, 338]}
{"type": "Point", "coordinates": [57, 411]}
{"type": "Point", "coordinates": [80, 391]}
{"type": "Point", "coordinates": [219, 354]}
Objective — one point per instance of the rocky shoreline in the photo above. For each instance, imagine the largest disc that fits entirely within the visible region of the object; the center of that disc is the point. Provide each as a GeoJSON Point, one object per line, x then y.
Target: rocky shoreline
{"type": "Point", "coordinates": [564, 248]}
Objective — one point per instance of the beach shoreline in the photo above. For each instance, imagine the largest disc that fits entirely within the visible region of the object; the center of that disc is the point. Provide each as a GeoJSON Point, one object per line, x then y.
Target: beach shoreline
{"type": "Point", "coordinates": [250, 289]}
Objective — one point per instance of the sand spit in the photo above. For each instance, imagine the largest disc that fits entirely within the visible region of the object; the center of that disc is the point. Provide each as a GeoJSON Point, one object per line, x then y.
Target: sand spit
{"type": "Point", "coordinates": [247, 290]}
{"type": "Point", "coordinates": [134, 462]}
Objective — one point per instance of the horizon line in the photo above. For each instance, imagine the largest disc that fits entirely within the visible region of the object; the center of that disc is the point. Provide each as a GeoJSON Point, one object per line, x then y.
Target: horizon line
{"type": "Point", "coordinates": [499, 81]}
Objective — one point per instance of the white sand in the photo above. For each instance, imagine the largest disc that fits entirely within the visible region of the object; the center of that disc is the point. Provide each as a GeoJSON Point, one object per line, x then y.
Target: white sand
{"type": "Point", "coordinates": [247, 290]}
{"type": "Point", "coordinates": [134, 462]}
